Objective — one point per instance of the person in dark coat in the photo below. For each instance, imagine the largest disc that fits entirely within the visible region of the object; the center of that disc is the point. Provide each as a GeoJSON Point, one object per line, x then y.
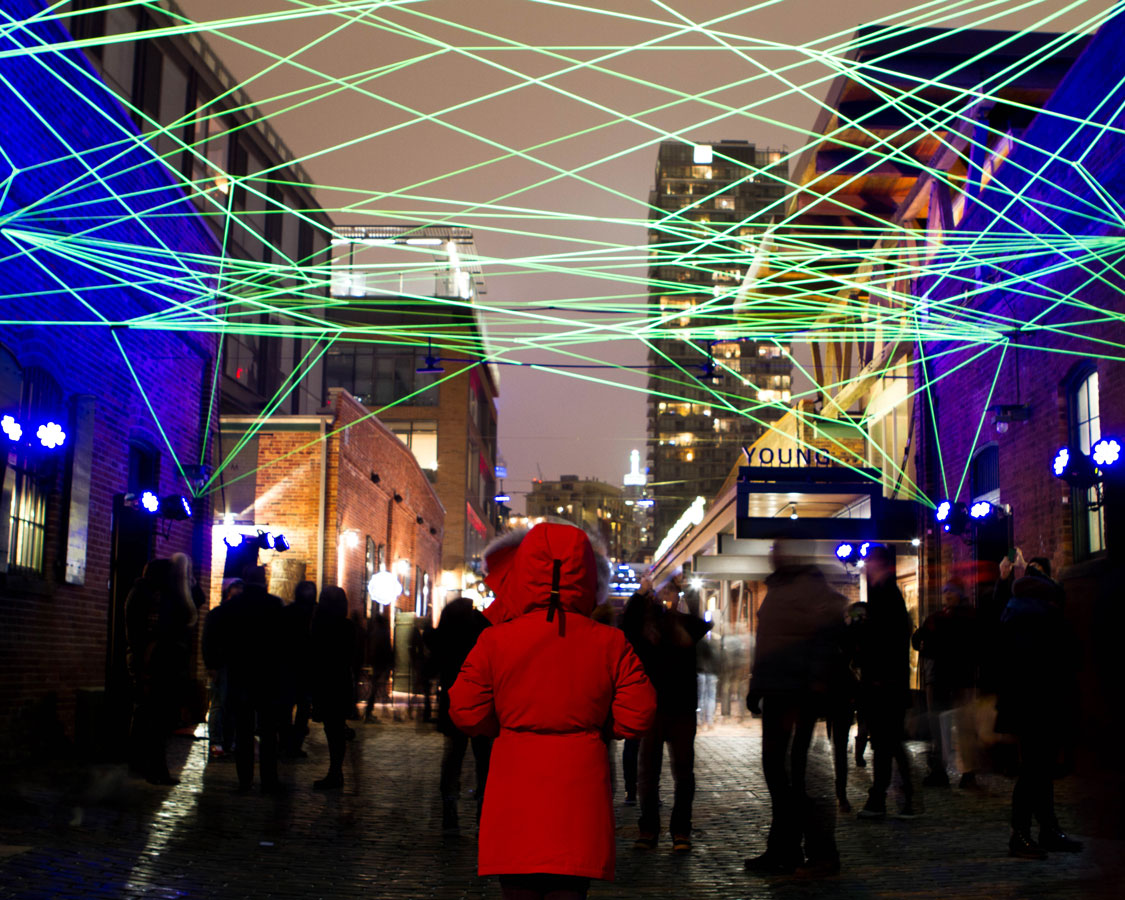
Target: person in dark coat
{"type": "Point", "coordinates": [159, 617]}
{"type": "Point", "coordinates": [664, 638]}
{"type": "Point", "coordinates": [549, 684]}
{"type": "Point", "coordinates": [1038, 693]}
{"type": "Point", "coordinates": [381, 659]}
{"type": "Point", "coordinates": [220, 721]}
{"type": "Point", "coordinates": [884, 681]}
{"type": "Point", "coordinates": [947, 643]}
{"type": "Point", "coordinates": [252, 640]}
{"type": "Point", "coordinates": [457, 631]}
{"type": "Point", "coordinates": [296, 700]}
{"type": "Point", "coordinates": [332, 644]}
{"type": "Point", "coordinates": [798, 658]}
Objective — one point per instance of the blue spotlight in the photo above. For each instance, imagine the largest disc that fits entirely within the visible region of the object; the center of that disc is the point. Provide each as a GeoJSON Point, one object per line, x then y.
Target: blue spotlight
{"type": "Point", "coordinates": [265, 540]}
{"type": "Point", "coordinates": [982, 509]}
{"type": "Point", "coordinates": [175, 507]}
{"type": "Point", "coordinates": [863, 548]}
{"type": "Point", "coordinates": [11, 428]}
{"type": "Point", "coordinates": [844, 552]}
{"type": "Point", "coordinates": [1106, 452]}
{"type": "Point", "coordinates": [281, 543]}
{"type": "Point", "coordinates": [51, 435]}
{"type": "Point", "coordinates": [1062, 460]}
{"type": "Point", "coordinates": [150, 502]}
{"type": "Point", "coordinates": [943, 510]}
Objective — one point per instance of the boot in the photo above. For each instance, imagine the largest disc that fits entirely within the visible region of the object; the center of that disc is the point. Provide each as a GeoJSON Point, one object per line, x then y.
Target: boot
{"type": "Point", "coordinates": [1053, 838]}
{"type": "Point", "coordinates": [330, 782]}
{"type": "Point", "coordinates": [1022, 846]}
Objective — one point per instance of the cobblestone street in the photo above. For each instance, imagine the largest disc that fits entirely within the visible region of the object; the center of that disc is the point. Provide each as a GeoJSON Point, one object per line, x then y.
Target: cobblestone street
{"type": "Point", "coordinates": [95, 832]}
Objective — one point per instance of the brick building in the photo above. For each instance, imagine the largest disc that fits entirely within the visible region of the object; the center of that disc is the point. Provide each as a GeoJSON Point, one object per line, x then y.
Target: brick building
{"type": "Point", "coordinates": [131, 402]}
{"type": "Point", "coordinates": [347, 494]}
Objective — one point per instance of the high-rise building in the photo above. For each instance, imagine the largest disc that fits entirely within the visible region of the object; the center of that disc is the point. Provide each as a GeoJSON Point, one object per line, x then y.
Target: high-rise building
{"type": "Point", "coordinates": [710, 394]}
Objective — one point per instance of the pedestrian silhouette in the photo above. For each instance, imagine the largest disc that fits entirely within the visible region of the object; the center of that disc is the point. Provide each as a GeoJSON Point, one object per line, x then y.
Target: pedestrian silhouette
{"type": "Point", "coordinates": [793, 681]}
{"type": "Point", "coordinates": [549, 683]}
{"type": "Point", "coordinates": [296, 670]}
{"type": "Point", "coordinates": [664, 638]}
{"type": "Point", "coordinates": [252, 648]}
{"type": "Point", "coordinates": [220, 718]}
{"type": "Point", "coordinates": [159, 616]}
{"type": "Point", "coordinates": [333, 643]}
{"type": "Point", "coordinates": [1038, 696]}
{"type": "Point", "coordinates": [884, 681]}
{"type": "Point", "coordinates": [458, 629]}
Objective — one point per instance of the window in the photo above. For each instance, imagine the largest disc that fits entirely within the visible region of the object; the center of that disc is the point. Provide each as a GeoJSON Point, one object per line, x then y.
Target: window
{"type": "Point", "coordinates": [421, 437]}
{"type": "Point", "coordinates": [984, 477]}
{"type": "Point", "coordinates": [27, 475]}
{"type": "Point", "coordinates": [1084, 414]}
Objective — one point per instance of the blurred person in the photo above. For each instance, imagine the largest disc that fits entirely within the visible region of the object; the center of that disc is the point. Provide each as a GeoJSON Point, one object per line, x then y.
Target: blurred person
{"type": "Point", "coordinates": [380, 657]}
{"type": "Point", "coordinates": [797, 660]}
{"type": "Point", "coordinates": [1037, 701]}
{"type": "Point", "coordinates": [545, 680]}
{"type": "Point", "coordinates": [884, 681]}
{"type": "Point", "coordinates": [631, 747]}
{"type": "Point", "coordinates": [458, 628]}
{"type": "Point", "coordinates": [296, 691]}
{"type": "Point", "coordinates": [707, 675]}
{"type": "Point", "coordinates": [664, 638]}
{"type": "Point", "coordinates": [332, 645]}
{"type": "Point", "coordinates": [843, 706]}
{"type": "Point", "coordinates": [220, 720]}
{"type": "Point", "coordinates": [159, 616]}
{"type": "Point", "coordinates": [947, 644]}
{"type": "Point", "coordinates": [252, 648]}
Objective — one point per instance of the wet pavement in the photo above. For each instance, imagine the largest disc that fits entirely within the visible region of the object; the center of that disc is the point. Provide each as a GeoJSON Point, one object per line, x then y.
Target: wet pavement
{"type": "Point", "coordinates": [94, 831]}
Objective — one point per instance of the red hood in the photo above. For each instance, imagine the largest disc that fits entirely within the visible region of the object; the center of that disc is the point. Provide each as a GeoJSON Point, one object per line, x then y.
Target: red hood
{"type": "Point", "coordinates": [522, 575]}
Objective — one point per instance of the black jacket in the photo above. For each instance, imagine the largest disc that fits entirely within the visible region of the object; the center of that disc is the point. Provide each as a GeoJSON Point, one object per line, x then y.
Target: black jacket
{"type": "Point", "coordinates": [883, 654]}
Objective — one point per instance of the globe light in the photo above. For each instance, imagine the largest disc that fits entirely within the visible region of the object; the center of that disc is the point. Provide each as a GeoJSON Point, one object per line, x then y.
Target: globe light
{"type": "Point", "coordinates": [942, 511]}
{"type": "Point", "coordinates": [1106, 452]}
{"type": "Point", "coordinates": [11, 428]}
{"type": "Point", "coordinates": [150, 501]}
{"type": "Point", "coordinates": [1062, 460]}
{"type": "Point", "coordinates": [51, 435]}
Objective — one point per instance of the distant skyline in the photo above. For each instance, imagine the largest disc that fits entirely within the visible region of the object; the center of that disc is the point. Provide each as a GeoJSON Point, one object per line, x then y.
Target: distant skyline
{"type": "Point", "coordinates": [549, 424]}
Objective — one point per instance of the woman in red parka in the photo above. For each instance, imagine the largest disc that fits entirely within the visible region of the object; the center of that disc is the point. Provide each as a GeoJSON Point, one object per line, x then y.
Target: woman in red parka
{"type": "Point", "coordinates": [551, 685]}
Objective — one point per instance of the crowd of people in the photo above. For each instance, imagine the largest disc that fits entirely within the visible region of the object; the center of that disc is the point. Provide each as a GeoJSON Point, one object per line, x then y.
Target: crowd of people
{"type": "Point", "coordinates": [543, 682]}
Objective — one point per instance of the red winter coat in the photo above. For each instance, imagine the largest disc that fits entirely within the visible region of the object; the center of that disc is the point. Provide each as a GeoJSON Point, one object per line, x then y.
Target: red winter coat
{"type": "Point", "coordinates": [549, 683]}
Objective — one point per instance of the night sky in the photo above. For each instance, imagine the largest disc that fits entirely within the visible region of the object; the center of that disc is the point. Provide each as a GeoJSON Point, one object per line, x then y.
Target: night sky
{"type": "Point", "coordinates": [548, 423]}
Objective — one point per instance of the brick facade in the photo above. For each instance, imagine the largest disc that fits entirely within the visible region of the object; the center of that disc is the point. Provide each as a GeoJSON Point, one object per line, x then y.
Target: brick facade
{"type": "Point", "coordinates": [374, 488]}
{"type": "Point", "coordinates": [81, 185]}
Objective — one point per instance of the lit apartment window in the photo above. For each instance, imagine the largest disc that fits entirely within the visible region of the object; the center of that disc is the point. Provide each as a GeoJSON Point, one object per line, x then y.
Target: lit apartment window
{"type": "Point", "coordinates": [1085, 430]}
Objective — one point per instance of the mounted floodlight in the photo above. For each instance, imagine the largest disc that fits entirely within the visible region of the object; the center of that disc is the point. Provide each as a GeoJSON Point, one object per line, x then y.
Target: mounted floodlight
{"type": "Point", "coordinates": [1077, 469]}
{"type": "Point", "coordinates": [982, 509]}
{"type": "Point", "coordinates": [863, 548]}
{"type": "Point", "coordinates": [844, 552]}
{"type": "Point", "coordinates": [51, 435]}
{"type": "Point", "coordinates": [696, 583]}
{"type": "Point", "coordinates": [943, 510]}
{"type": "Point", "coordinates": [281, 543]}
{"type": "Point", "coordinates": [265, 540]}
{"type": "Point", "coordinates": [1062, 460]}
{"type": "Point", "coordinates": [150, 502]}
{"type": "Point", "coordinates": [793, 512]}
{"type": "Point", "coordinates": [175, 507]}
{"type": "Point", "coordinates": [11, 428]}
{"type": "Point", "coordinates": [1106, 452]}
{"type": "Point", "coordinates": [433, 364]}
